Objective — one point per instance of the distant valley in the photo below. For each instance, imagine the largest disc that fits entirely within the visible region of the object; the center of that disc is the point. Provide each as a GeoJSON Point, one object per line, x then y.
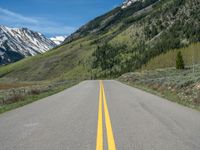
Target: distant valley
{"type": "Point", "coordinates": [120, 41]}
{"type": "Point", "coordinates": [136, 36]}
{"type": "Point", "coordinates": [117, 82]}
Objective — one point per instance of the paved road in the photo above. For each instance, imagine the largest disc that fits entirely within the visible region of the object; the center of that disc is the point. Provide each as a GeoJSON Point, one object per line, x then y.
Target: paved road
{"type": "Point", "coordinates": [113, 115]}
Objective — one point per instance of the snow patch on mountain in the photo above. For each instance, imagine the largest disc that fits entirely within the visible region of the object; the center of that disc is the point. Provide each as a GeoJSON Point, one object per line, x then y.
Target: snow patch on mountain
{"type": "Point", "coordinates": [58, 39]}
{"type": "Point", "coordinates": [128, 3]}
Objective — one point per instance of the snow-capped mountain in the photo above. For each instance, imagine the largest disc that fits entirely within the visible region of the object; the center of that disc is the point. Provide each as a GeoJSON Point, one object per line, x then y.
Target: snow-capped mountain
{"type": "Point", "coordinates": [58, 39]}
{"type": "Point", "coordinates": [16, 44]}
{"type": "Point", "coordinates": [128, 3]}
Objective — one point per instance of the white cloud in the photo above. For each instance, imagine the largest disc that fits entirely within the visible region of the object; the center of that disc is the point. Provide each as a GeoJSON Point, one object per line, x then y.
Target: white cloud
{"type": "Point", "coordinates": [12, 16]}
{"type": "Point", "coordinates": [53, 30]}
{"type": "Point", "coordinates": [13, 19]}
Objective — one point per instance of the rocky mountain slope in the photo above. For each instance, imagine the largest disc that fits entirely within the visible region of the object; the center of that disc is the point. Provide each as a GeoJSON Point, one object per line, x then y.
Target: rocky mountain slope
{"type": "Point", "coordinates": [16, 44]}
{"type": "Point", "coordinates": [117, 42]}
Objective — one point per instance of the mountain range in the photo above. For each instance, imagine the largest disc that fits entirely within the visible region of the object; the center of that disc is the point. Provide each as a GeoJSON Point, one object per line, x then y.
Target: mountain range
{"type": "Point", "coordinates": [120, 41]}
{"type": "Point", "coordinates": [16, 44]}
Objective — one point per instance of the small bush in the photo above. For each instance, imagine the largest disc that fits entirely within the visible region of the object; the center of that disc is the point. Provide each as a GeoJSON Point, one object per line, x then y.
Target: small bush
{"type": "Point", "coordinates": [35, 91]}
{"type": "Point", "coordinates": [179, 61]}
{"type": "Point", "coordinates": [197, 99]}
{"type": "Point", "coordinates": [13, 99]}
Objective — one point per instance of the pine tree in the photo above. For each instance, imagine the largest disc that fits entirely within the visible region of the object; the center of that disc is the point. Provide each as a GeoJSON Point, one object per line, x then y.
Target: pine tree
{"type": "Point", "coordinates": [179, 61]}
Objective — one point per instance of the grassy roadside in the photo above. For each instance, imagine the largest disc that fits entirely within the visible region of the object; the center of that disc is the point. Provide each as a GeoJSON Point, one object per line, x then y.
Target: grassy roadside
{"type": "Point", "coordinates": [171, 96]}
{"type": "Point", "coordinates": [182, 87]}
{"type": "Point", "coordinates": [34, 96]}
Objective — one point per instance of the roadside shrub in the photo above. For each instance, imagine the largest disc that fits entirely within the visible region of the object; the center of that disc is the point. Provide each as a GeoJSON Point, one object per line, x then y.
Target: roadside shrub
{"type": "Point", "coordinates": [1, 101]}
{"type": "Point", "coordinates": [179, 61]}
{"type": "Point", "coordinates": [197, 99]}
{"type": "Point", "coordinates": [13, 99]}
{"type": "Point", "coordinates": [35, 91]}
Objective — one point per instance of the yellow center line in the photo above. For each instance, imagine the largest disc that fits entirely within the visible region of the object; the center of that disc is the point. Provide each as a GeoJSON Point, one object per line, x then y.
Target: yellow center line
{"type": "Point", "coordinates": [99, 142]}
{"type": "Point", "coordinates": [109, 131]}
{"type": "Point", "coordinates": [110, 137]}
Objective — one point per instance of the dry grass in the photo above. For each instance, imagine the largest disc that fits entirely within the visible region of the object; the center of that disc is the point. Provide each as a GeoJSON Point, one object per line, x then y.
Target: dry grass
{"type": "Point", "coordinates": [17, 97]}
{"type": "Point", "coordinates": [5, 86]}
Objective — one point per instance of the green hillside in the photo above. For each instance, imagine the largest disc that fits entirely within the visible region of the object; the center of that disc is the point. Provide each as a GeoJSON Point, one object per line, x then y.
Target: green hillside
{"type": "Point", "coordinates": [120, 41]}
{"type": "Point", "coordinates": [66, 61]}
{"type": "Point", "coordinates": [191, 56]}
{"type": "Point", "coordinates": [166, 25]}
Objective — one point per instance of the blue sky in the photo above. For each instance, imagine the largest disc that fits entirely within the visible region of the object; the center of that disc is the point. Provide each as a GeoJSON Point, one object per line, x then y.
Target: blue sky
{"type": "Point", "coordinates": [52, 17]}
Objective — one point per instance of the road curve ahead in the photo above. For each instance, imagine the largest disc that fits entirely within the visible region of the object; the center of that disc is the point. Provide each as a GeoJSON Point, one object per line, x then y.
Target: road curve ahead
{"type": "Point", "coordinates": [95, 115]}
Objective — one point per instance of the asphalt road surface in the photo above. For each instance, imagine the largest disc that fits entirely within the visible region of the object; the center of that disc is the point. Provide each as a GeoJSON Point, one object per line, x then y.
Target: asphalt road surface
{"type": "Point", "coordinates": [101, 115]}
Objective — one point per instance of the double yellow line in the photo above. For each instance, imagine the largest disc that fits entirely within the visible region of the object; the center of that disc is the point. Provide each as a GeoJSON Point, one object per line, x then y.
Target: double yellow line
{"type": "Point", "coordinates": [110, 137]}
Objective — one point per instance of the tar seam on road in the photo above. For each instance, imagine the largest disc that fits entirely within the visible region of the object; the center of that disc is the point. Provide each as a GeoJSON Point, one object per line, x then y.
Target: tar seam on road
{"type": "Point", "coordinates": [109, 131]}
